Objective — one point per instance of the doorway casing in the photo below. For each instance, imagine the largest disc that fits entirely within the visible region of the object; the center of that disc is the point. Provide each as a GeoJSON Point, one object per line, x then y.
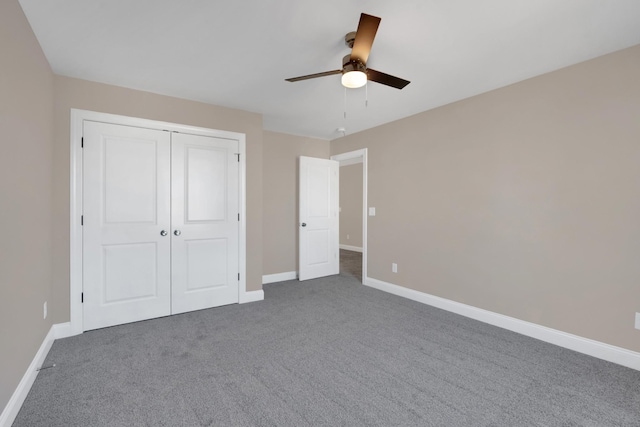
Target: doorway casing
{"type": "Point", "coordinates": [353, 157]}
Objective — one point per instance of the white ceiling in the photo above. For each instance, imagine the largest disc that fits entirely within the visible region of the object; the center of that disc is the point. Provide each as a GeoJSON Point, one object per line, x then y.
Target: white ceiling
{"type": "Point", "coordinates": [238, 53]}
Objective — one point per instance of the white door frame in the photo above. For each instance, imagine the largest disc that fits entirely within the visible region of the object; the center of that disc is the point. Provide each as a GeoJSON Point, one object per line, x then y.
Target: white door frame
{"type": "Point", "coordinates": [353, 157]}
{"type": "Point", "coordinates": [76, 202]}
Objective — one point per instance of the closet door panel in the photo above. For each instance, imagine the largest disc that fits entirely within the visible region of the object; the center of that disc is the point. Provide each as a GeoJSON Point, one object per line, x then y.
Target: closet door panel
{"type": "Point", "coordinates": [126, 195]}
{"type": "Point", "coordinates": [208, 263]}
{"type": "Point", "coordinates": [206, 184]}
{"type": "Point", "coordinates": [205, 225]}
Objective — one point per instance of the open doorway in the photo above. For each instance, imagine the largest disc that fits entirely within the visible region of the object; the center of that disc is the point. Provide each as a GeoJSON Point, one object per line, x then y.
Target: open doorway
{"type": "Point", "coordinates": [353, 218]}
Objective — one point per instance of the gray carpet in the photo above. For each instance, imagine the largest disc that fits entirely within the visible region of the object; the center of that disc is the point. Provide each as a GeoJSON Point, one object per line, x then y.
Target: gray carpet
{"type": "Point", "coordinates": [324, 352]}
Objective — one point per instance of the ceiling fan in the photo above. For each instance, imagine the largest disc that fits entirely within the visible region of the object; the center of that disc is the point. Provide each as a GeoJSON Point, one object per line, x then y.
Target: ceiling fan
{"type": "Point", "coordinates": [354, 66]}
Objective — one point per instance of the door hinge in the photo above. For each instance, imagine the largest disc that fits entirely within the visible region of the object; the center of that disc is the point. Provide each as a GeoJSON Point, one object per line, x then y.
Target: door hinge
{"type": "Point", "coordinates": [82, 297]}
{"type": "Point", "coordinates": [238, 217]}
{"type": "Point", "coordinates": [238, 276]}
{"type": "Point", "coordinates": [238, 154]}
{"type": "Point", "coordinates": [82, 142]}
{"type": "Point", "coordinates": [81, 220]}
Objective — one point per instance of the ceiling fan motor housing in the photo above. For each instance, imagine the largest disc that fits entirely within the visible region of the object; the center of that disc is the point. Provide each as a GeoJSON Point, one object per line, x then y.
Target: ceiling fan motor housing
{"type": "Point", "coordinates": [349, 64]}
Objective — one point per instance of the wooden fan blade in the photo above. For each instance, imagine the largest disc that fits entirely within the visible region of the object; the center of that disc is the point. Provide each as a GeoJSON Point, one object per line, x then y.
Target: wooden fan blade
{"type": "Point", "coordinates": [313, 76]}
{"type": "Point", "coordinates": [386, 79]}
{"type": "Point", "coordinates": [365, 34]}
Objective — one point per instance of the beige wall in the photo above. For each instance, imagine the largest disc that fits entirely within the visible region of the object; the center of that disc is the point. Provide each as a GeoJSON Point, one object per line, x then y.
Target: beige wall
{"type": "Point", "coordinates": [523, 201]}
{"type": "Point", "coordinates": [26, 123]}
{"type": "Point", "coordinates": [81, 94]}
{"type": "Point", "coordinates": [280, 190]}
{"type": "Point", "coordinates": [351, 205]}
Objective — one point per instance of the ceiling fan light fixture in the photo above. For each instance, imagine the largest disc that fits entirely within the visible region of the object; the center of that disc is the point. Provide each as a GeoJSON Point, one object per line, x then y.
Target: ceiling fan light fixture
{"type": "Point", "coordinates": [354, 79]}
{"type": "Point", "coordinates": [354, 73]}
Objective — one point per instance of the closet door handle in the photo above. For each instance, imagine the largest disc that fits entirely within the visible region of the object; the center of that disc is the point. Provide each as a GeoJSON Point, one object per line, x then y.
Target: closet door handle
{"type": "Point", "coordinates": [163, 233]}
{"type": "Point", "coordinates": [177, 232]}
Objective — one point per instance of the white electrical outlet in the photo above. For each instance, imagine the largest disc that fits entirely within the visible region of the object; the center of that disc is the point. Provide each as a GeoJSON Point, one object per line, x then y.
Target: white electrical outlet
{"type": "Point", "coordinates": [347, 237]}
{"type": "Point", "coordinates": [637, 320]}
{"type": "Point", "coordinates": [394, 267]}
{"type": "Point", "coordinates": [44, 310]}
{"type": "Point", "coordinates": [372, 211]}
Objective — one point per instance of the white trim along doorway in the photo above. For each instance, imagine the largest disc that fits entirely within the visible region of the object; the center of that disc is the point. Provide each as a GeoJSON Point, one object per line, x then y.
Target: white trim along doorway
{"type": "Point", "coordinates": [78, 118]}
{"type": "Point", "coordinates": [350, 158]}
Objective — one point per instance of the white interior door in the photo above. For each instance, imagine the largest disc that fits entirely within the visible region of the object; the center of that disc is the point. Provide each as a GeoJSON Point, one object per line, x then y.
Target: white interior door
{"type": "Point", "coordinates": [319, 222]}
{"type": "Point", "coordinates": [126, 217]}
{"type": "Point", "coordinates": [205, 222]}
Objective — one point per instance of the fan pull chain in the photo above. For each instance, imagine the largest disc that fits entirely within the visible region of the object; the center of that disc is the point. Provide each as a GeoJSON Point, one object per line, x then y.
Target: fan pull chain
{"type": "Point", "coordinates": [345, 102]}
{"type": "Point", "coordinates": [366, 94]}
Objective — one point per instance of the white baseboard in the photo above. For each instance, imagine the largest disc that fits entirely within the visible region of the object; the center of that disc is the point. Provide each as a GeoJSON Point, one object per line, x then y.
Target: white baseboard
{"type": "Point", "coordinates": [279, 277]}
{"type": "Point", "coordinates": [20, 394]}
{"type": "Point", "coordinates": [62, 330]}
{"type": "Point", "coordinates": [251, 296]}
{"type": "Point", "coordinates": [610, 353]}
{"type": "Point", "coordinates": [351, 248]}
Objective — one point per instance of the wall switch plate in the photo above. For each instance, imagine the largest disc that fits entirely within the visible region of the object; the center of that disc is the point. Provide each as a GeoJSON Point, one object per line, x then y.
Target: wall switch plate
{"type": "Point", "coordinates": [347, 237]}
{"type": "Point", "coordinates": [394, 267]}
{"type": "Point", "coordinates": [372, 211]}
{"type": "Point", "coordinates": [44, 310]}
{"type": "Point", "coordinates": [637, 320]}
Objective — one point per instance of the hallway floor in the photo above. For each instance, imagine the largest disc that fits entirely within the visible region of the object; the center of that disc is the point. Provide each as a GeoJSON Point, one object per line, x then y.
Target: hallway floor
{"type": "Point", "coordinates": [351, 264]}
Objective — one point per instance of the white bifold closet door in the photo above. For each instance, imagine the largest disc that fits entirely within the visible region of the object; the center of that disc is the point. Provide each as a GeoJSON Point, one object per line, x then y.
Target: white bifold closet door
{"type": "Point", "coordinates": [160, 223]}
